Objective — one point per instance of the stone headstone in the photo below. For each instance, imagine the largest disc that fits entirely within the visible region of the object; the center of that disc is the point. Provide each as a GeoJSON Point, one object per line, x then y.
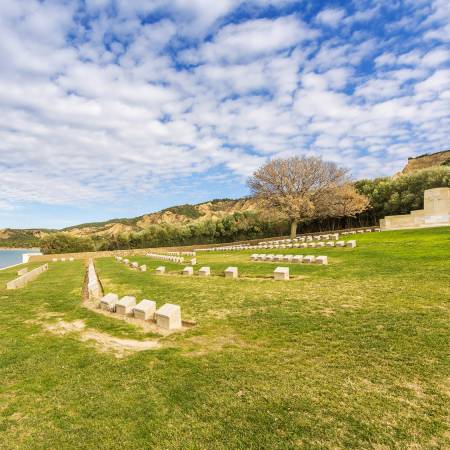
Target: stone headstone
{"type": "Point", "coordinates": [125, 305]}
{"type": "Point", "coordinates": [281, 273]}
{"type": "Point", "coordinates": [160, 270]}
{"type": "Point", "coordinates": [322, 260]}
{"type": "Point", "coordinates": [231, 272]}
{"type": "Point", "coordinates": [188, 271]}
{"type": "Point", "coordinates": [204, 272]}
{"type": "Point", "coordinates": [309, 259]}
{"type": "Point", "coordinates": [109, 302]}
{"type": "Point", "coordinates": [168, 317]}
{"type": "Point", "coordinates": [145, 310]}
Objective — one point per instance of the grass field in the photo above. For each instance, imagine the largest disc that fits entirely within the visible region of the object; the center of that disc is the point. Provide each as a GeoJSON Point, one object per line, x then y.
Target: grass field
{"type": "Point", "coordinates": [350, 355]}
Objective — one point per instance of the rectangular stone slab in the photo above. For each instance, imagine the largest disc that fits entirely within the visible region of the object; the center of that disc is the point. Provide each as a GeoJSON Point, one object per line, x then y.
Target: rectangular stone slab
{"type": "Point", "coordinates": [109, 302]}
{"type": "Point", "coordinates": [188, 271]}
{"type": "Point", "coordinates": [322, 260]}
{"type": "Point", "coordinates": [231, 272]}
{"type": "Point", "coordinates": [168, 317]}
{"type": "Point", "coordinates": [125, 305]}
{"type": "Point", "coordinates": [281, 273]}
{"type": "Point", "coordinates": [204, 272]}
{"type": "Point", "coordinates": [160, 270]}
{"type": "Point", "coordinates": [351, 244]}
{"type": "Point", "coordinates": [309, 259]}
{"type": "Point", "coordinates": [26, 278]}
{"type": "Point", "coordinates": [145, 310]}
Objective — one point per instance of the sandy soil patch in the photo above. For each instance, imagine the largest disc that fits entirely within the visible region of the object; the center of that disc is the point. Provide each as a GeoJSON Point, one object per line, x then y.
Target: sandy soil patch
{"type": "Point", "coordinates": [102, 342]}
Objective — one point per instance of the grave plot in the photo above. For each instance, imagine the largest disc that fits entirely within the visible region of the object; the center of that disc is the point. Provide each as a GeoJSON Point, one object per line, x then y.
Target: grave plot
{"type": "Point", "coordinates": [144, 313]}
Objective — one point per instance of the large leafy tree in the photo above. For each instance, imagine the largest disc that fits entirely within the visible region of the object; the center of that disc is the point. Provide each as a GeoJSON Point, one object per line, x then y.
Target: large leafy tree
{"type": "Point", "coordinates": [305, 188]}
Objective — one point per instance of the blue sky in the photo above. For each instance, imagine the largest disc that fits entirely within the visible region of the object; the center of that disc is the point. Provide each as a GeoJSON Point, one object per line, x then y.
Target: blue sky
{"type": "Point", "coordinates": [116, 108]}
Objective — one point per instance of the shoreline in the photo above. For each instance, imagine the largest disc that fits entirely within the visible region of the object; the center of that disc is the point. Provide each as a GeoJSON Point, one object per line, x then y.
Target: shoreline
{"type": "Point", "coordinates": [10, 267]}
{"type": "Point", "coordinates": [20, 248]}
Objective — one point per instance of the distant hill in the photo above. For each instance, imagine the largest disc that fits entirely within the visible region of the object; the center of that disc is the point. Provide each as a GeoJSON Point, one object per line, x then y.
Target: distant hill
{"type": "Point", "coordinates": [22, 238]}
{"type": "Point", "coordinates": [427, 161]}
{"type": "Point", "coordinates": [176, 215]}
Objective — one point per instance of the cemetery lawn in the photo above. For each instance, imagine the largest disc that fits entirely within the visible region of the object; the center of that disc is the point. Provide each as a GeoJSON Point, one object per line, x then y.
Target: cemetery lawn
{"type": "Point", "coordinates": [350, 355]}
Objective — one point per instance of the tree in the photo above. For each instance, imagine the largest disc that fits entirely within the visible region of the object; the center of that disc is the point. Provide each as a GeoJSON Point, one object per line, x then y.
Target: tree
{"type": "Point", "coordinates": [343, 201]}
{"type": "Point", "coordinates": [304, 188]}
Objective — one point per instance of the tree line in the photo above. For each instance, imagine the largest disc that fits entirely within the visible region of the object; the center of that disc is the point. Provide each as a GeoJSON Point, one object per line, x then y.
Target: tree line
{"type": "Point", "coordinates": [385, 196]}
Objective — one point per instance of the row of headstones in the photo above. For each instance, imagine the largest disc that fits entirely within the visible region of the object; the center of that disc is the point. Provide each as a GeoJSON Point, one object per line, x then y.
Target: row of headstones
{"type": "Point", "coordinates": [309, 259]}
{"type": "Point", "coordinates": [283, 243]}
{"type": "Point", "coordinates": [25, 277]}
{"type": "Point", "coordinates": [133, 265]}
{"type": "Point", "coordinates": [280, 273]}
{"type": "Point", "coordinates": [322, 237]}
{"type": "Point", "coordinates": [63, 259]}
{"type": "Point", "coordinates": [167, 317]}
{"type": "Point", "coordinates": [351, 243]}
{"type": "Point", "coordinates": [182, 253]}
{"type": "Point", "coordinates": [230, 272]}
{"type": "Point", "coordinates": [171, 258]}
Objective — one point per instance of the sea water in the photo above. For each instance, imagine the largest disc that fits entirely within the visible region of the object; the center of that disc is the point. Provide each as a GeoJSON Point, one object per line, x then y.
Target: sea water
{"type": "Point", "coordinates": [11, 257]}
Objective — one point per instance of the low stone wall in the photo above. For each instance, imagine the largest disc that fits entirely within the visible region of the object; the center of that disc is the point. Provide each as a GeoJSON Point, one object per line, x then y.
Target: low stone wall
{"type": "Point", "coordinates": [26, 278]}
{"type": "Point", "coordinates": [94, 288]}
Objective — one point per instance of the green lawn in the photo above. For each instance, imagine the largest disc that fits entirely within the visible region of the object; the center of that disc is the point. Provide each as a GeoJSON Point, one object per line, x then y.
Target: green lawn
{"type": "Point", "coordinates": [349, 355]}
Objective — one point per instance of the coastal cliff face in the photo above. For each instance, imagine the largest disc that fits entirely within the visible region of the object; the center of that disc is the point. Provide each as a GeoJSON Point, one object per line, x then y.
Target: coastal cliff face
{"type": "Point", "coordinates": [426, 161]}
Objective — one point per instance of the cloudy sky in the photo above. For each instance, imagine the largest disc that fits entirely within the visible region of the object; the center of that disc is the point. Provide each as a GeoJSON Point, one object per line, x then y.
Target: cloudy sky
{"type": "Point", "coordinates": [115, 108]}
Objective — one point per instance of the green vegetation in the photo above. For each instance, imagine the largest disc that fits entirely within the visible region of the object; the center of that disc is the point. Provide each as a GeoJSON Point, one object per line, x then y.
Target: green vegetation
{"type": "Point", "coordinates": [20, 238]}
{"type": "Point", "coordinates": [238, 226]}
{"type": "Point", "coordinates": [350, 355]}
{"type": "Point", "coordinates": [66, 243]}
{"type": "Point", "coordinates": [184, 210]}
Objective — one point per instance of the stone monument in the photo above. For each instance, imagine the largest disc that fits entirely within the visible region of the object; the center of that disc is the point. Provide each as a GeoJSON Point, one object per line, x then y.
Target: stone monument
{"type": "Point", "coordinates": [436, 213]}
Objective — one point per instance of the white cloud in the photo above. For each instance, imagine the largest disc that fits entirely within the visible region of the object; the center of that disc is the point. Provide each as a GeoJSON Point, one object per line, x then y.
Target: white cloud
{"type": "Point", "coordinates": [252, 39]}
{"type": "Point", "coordinates": [113, 109]}
{"type": "Point", "coordinates": [331, 17]}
